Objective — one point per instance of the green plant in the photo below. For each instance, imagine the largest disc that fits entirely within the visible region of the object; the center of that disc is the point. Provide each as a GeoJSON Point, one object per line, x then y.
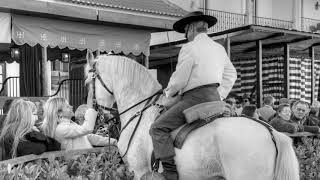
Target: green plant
{"type": "Point", "coordinates": [89, 166]}
{"type": "Point", "coordinates": [308, 153]}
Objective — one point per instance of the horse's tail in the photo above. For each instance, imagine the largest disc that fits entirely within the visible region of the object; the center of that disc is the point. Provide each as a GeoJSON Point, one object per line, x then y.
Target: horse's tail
{"type": "Point", "coordinates": [287, 165]}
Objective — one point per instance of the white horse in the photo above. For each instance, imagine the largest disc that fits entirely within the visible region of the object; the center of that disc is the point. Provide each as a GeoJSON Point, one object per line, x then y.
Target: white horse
{"type": "Point", "coordinates": [228, 148]}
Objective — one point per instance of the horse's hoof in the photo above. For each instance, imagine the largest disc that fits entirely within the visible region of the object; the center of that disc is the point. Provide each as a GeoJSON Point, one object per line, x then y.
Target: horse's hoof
{"type": "Point", "coordinates": [152, 176]}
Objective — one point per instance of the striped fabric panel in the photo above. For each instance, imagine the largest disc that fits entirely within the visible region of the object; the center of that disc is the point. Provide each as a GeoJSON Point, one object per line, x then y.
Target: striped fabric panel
{"type": "Point", "coordinates": [300, 78]}
{"type": "Point", "coordinates": [273, 77]}
{"type": "Point", "coordinates": [246, 72]}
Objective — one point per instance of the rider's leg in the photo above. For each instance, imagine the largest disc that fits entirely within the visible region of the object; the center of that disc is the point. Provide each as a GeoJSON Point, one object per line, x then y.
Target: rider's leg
{"type": "Point", "coordinates": [171, 120]}
{"type": "Point", "coordinates": [162, 142]}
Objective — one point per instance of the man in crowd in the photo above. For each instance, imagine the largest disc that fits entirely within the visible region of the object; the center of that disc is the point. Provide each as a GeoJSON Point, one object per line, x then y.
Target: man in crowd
{"type": "Point", "coordinates": [300, 111]}
{"type": "Point", "coordinates": [267, 111]}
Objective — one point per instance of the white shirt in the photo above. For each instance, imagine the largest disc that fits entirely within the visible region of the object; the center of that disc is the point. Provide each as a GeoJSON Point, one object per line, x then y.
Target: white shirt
{"type": "Point", "coordinates": [201, 62]}
{"type": "Point", "coordinates": [73, 136]}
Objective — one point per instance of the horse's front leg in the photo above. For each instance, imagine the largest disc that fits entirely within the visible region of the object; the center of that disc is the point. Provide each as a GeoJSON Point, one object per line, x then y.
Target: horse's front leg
{"type": "Point", "coordinates": [138, 163]}
{"type": "Point", "coordinates": [137, 158]}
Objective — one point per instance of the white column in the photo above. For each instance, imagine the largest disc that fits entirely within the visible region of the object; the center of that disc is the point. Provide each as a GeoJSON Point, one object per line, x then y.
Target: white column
{"type": "Point", "coordinates": [46, 73]}
{"type": "Point", "coordinates": [296, 14]}
{"type": "Point", "coordinates": [249, 12]}
{"type": "Point", "coordinates": [146, 61]}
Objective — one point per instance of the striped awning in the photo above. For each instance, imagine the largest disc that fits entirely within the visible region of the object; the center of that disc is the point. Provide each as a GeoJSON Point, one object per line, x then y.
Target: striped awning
{"type": "Point", "coordinates": [74, 35]}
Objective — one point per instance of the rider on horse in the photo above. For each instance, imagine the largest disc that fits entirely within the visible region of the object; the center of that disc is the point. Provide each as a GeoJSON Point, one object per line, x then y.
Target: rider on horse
{"type": "Point", "coordinates": [204, 73]}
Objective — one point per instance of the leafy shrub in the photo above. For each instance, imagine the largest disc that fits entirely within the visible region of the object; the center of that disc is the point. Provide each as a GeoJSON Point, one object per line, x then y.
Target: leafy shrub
{"type": "Point", "coordinates": [89, 166]}
{"type": "Point", "coordinates": [108, 165]}
{"type": "Point", "coordinates": [308, 153]}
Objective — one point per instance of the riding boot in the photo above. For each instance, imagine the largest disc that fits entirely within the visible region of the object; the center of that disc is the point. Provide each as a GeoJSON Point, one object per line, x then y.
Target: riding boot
{"type": "Point", "coordinates": [169, 169]}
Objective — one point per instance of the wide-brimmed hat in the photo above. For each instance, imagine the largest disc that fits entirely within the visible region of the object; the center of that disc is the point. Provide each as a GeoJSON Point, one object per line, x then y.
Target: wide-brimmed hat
{"type": "Point", "coordinates": [192, 17]}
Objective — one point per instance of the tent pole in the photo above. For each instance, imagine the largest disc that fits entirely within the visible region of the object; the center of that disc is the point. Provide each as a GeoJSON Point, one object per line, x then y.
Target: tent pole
{"type": "Point", "coordinates": [259, 72]}
{"type": "Point", "coordinates": [46, 73]}
{"type": "Point", "coordinates": [286, 70]}
{"type": "Point", "coordinates": [146, 61]}
{"type": "Point", "coordinates": [227, 46]}
{"type": "Point", "coordinates": [311, 51]}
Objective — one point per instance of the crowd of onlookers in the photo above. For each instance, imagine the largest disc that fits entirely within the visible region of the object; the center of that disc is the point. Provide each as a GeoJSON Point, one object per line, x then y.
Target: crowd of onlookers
{"type": "Point", "coordinates": [23, 132]}
{"type": "Point", "coordinates": [291, 115]}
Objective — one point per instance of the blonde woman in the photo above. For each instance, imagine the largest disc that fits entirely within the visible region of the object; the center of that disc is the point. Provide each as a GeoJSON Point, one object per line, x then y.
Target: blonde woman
{"type": "Point", "coordinates": [58, 124]}
{"type": "Point", "coordinates": [19, 136]}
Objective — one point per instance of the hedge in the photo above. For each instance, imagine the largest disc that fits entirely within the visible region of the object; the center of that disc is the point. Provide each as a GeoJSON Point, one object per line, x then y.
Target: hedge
{"type": "Point", "coordinates": [87, 164]}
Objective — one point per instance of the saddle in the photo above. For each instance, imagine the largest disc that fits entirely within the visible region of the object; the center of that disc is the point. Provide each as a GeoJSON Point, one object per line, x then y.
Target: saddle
{"type": "Point", "coordinates": [198, 116]}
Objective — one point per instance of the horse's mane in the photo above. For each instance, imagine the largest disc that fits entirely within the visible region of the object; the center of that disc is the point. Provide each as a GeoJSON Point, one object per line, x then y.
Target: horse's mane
{"type": "Point", "coordinates": [129, 73]}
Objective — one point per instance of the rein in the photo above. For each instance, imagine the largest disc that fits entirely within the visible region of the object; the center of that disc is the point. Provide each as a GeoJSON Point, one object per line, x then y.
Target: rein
{"type": "Point", "coordinates": [140, 114]}
{"type": "Point", "coordinates": [99, 107]}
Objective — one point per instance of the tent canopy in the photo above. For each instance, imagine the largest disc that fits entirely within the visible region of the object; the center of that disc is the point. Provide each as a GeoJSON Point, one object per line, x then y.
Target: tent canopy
{"type": "Point", "coordinates": [53, 33]}
{"type": "Point", "coordinates": [243, 43]}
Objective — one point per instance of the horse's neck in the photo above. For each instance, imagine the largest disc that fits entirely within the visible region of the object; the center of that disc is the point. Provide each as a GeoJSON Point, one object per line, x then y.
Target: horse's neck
{"type": "Point", "coordinates": [142, 133]}
{"type": "Point", "coordinates": [127, 100]}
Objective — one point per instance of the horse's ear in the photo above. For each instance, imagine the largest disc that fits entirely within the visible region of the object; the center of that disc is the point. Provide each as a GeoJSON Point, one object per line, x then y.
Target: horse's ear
{"type": "Point", "coordinates": [90, 58]}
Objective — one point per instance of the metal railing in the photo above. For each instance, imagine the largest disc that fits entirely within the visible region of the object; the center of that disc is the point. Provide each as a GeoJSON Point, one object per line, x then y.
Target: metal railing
{"type": "Point", "coordinates": [310, 25]}
{"type": "Point", "coordinates": [226, 20]}
{"type": "Point", "coordinates": [73, 90]}
{"type": "Point", "coordinates": [277, 23]}
{"type": "Point", "coordinates": [10, 87]}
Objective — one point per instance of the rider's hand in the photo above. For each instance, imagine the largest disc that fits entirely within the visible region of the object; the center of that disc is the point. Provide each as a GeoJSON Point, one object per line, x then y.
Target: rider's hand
{"type": "Point", "coordinates": [170, 101]}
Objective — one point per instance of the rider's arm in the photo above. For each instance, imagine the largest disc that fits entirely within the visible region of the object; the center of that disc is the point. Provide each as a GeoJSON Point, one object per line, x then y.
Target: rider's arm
{"type": "Point", "coordinates": [229, 76]}
{"type": "Point", "coordinates": [180, 77]}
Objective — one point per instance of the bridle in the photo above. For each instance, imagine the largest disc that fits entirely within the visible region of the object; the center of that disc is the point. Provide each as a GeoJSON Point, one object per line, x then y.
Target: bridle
{"type": "Point", "coordinates": [95, 76]}
{"type": "Point", "coordinates": [99, 108]}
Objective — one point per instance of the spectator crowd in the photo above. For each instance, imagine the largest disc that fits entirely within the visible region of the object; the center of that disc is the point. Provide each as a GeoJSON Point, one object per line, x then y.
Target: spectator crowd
{"type": "Point", "coordinates": [290, 116]}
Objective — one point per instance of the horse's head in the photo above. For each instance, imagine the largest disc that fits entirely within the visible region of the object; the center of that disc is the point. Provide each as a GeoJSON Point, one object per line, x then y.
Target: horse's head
{"type": "Point", "coordinates": [97, 84]}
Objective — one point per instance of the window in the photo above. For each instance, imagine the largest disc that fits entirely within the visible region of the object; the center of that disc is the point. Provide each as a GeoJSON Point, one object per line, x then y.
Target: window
{"type": "Point", "coordinates": [60, 72]}
{"type": "Point", "coordinates": [60, 66]}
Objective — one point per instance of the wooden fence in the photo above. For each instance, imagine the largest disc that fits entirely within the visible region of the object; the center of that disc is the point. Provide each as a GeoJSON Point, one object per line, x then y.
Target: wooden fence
{"type": "Point", "coordinates": [54, 154]}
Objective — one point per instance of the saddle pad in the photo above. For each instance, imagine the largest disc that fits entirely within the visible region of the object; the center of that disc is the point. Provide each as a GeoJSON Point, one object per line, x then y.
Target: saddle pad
{"type": "Point", "coordinates": [180, 134]}
{"type": "Point", "coordinates": [204, 110]}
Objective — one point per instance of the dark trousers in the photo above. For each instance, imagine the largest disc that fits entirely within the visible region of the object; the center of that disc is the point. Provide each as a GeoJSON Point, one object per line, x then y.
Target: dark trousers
{"type": "Point", "coordinates": [173, 118]}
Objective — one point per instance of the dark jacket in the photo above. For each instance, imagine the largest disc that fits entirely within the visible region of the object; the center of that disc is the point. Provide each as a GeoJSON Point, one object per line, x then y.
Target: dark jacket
{"type": "Point", "coordinates": [34, 143]}
{"type": "Point", "coordinates": [282, 125]}
{"type": "Point", "coordinates": [309, 124]}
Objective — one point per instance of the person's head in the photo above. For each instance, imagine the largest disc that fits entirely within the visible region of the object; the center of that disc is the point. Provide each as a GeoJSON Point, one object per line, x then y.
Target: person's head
{"type": "Point", "coordinates": [315, 108]}
{"type": "Point", "coordinates": [18, 122]}
{"type": "Point", "coordinates": [292, 101]}
{"type": "Point", "coordinates": [194, 23]}
{"type": "Point", "coordinates": [195, 28]}
{"type": "Point", "coordinates": [80, 112]}
{"type": "Point", "coordinates": [231, 101]}
{"type": "Point", "coordinates": [300, 109]}
{"type": "Point", "coordinates": [245, 100]}
{"type": "Point", "coordinates": [284, 101]}
{"type": "Point", "coordinates": [250, 110]}
{"type": "Point", "coordinates": [55, 109]}
{"type": "Point", "coordinates": [284, 111]}
{"type": "Point", "coordinates": [268, 100]}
